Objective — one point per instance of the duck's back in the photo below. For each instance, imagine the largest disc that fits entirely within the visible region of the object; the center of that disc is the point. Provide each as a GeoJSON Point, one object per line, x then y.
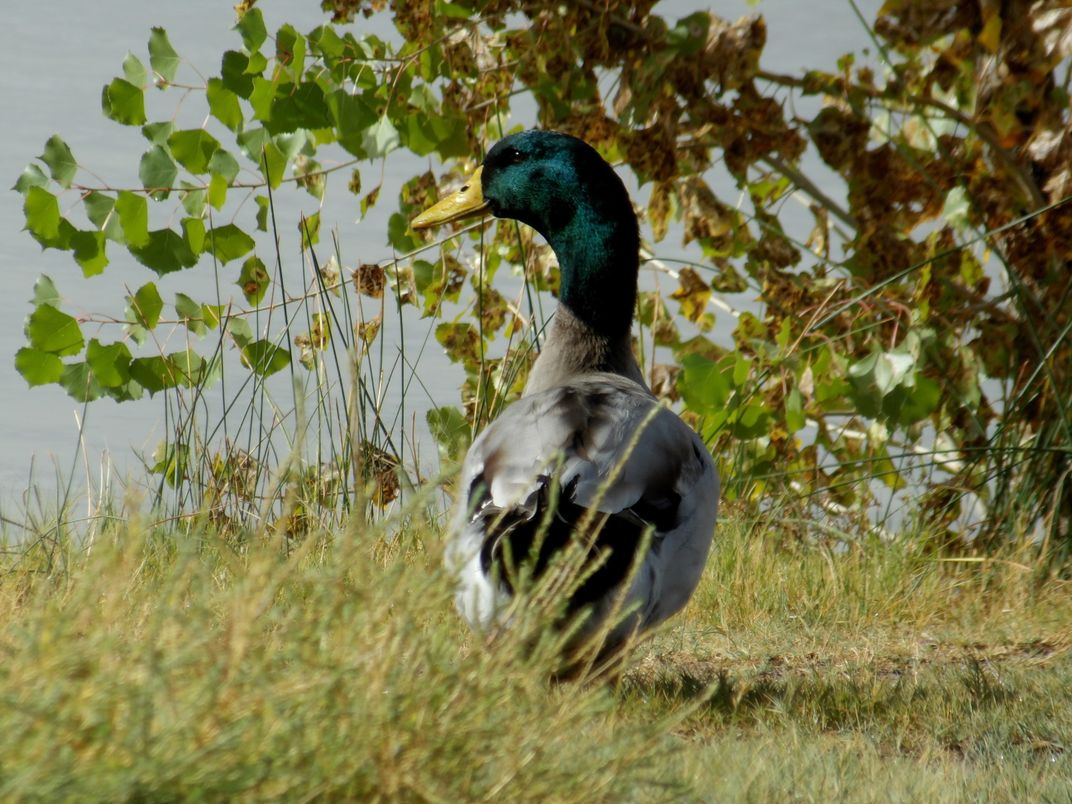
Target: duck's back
{"type": "Point", "coordinates": [532, 478]}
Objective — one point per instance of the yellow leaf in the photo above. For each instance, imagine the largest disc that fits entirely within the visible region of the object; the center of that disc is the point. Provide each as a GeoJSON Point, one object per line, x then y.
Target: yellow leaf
{"type": "Point", "coordinates": [990, 37]}
{"type": "Point", "coordinates": [692, 294]}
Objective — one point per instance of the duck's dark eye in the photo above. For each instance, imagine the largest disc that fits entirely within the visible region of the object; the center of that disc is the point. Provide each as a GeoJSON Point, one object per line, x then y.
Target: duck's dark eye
{"type": "Point", "coordinates": [511, 156]}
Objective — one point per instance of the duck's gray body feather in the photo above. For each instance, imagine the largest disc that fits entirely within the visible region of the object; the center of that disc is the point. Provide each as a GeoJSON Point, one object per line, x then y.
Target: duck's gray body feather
{"type": "Point", "coordinates": [587, 457]}
{"type": "Point", "coordinates": [598, 441]}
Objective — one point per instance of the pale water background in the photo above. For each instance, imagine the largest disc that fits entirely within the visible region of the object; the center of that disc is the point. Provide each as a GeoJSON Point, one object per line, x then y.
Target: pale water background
{"type": "Point", "coordinates": [55, 60]}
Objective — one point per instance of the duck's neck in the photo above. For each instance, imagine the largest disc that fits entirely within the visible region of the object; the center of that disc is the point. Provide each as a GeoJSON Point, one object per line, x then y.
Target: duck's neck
{"type": "Point", "coordinates": [597, 243]}
{"type": "Point", "coordinates": [573, 349]}
{"type": "Point", "coordinates": [597, 253]}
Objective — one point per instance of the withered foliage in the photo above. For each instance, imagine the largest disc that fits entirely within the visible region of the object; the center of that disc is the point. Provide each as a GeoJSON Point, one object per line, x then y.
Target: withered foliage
{"type": "Point", "coordinates": [946, 263]}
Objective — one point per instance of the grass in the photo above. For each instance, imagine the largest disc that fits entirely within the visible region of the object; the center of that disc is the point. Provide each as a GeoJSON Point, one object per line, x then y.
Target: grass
{"type": "Point", "coordinates": [167, 663]}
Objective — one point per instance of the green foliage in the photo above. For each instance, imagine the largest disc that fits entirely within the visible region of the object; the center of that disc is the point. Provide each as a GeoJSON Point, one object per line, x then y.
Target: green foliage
{"type": "Point", "coordinates": [880, 353]}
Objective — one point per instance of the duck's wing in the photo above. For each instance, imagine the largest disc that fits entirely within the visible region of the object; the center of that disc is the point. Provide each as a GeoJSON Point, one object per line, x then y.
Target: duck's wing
{"type": "Point", "coordinates": [597, 452]}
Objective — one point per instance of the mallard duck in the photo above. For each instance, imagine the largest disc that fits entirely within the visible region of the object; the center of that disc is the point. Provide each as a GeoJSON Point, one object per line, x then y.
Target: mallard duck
{"type": "Point", "coordinates": [587, 446]}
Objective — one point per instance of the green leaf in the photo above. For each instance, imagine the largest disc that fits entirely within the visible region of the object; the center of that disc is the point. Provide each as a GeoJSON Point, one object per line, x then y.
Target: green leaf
{"type": "Point", "coordinates": [42, 210]}
{"type": "Point", "coordinates": [229, 242]}
{"type": "Point", "coordinates": [152, 373]}
{"type": "Point", "coordinates": [190, 313]}
{"type": "Point", "coordinates": [262, 212]}
{"type": "Point", "coordinates": [251, 26]}
{"type": "Point", "coordinates": [794, 412]}
{"type": "Point", "coordinates": [303, 107]}
{"type": "Point", "coordinates": [45, 291]}
{"type": "Point", "coordinates": [193, 231]}
{"type": "Point", "coordinates": [51, 330]}
{"type": "Point", "coordinates": [254, 280]}
{"type": "Point", "coordinates": [892, 369]}
{"type": "Point", "coordinates": [233, 73]}
{"type": "Point", "coordinates": [690, 34]}
{"type": "Point", "coordinates": [863, 389]}
{"type": "Point", "coordinates": [223, 103]}
{"type": "Point", "coordinates": [325, 41]}
{"type": "Point", "coordinates": [193, 148]}
{"type": "Point", "coordinates": [223, 164]}
{"type": "Point", "coordinates": [753, 421]}
{"type": "Point", "coordinates": [913, 403]}
{"type": "Point", "coordinates": [742, 367]}
{"type": "Point", "coordinates": [419, 136]}
{"type": "Point", "coordinates": [193, 199]}
{"type": "Point", "coordinates": [145, 305]}
{"type": "Point", "coordinates": [264, 358]}
{"type": "Point", "coordinates": [110, 364]}
{"type": "Point", "coordinates": [217, 191]}
{"type": "Point", "coordinates": [162, 56]}
{"type": "Point", "coordinates": [126, 392]}
{"type": "Point", "coordinates": [957, 208]}
{"type": "Point", "coordinates": [190, 368]}
{"type": "Point", "coordinates": [166, 251]}
{"type": "Point", "coordinates": [424, 276]}
{"type": "Point", "coordinates": [135, 71]}
{"type": "Point", "coordinates": [38, 367]}
{"type": "Point", "coordinates": [158, 133]}
{"type": "Point", "coordinates": [157, 172]}
{"type": "Point", "coordinates": [261, 98]}
{"type": "Point", "coordinates": [400, 235]}
{"type": "Point", "coordinates": [89, 251]}
{"type": "Point", "coordinates": [44, 222]}
{"type": "Point", "coordinates": [864, 367]}
{"type": "Point", "coordinates": [100, 209]}
{"type": "Point", "coordinates": [705, 384]}
{"type": "Point", "coordinates": [353, 116]}
{"type": "Point", "coordinates": [240, 330]}
{"type": "Point", "coordinates": [276, 163]}
{"type": "Point", "coordinates": [31, 176]}
{"type": "Point", "coordinates": [450, 430]}
{"type": "Point", "coordinates": [80, 383]}
{"type": "Point", "coordinates": [133, 211]}
{"type": "Point", "coordinates": [212, 314]}
{"type": "Point", "coordinates": [309, 227]}
{"type": "Point", "coordinates": [171, 462]}
{"type": "Point", "coordinates": [252, 142]}
{"type": "Point", "coordinates": [292, 144]}
{"type": "Point", "coordinates": [123, 102]}
{"type": "Point", "coordinates": [60, 161]}
{"type": "Point", "coordinates": [381, 138]}
{"type": "Point", "coordinates": [458, 11]}
{"type": "Point", "coordinates": [784, 332]}
{"type": "Point", "coordinates": [290, 49]}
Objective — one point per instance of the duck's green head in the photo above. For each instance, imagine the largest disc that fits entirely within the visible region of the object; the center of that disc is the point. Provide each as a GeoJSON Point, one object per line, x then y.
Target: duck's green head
{"type": "Point", "coordinates": [561, 187]}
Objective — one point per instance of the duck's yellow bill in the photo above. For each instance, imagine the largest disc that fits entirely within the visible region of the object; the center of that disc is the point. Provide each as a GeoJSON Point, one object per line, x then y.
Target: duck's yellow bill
{"type": "Point", "coordinates": [464, 203]}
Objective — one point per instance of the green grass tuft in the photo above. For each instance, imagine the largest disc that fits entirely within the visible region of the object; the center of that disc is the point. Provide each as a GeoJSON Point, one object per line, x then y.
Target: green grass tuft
{"type": "Point", "coordinates": [168, 664]}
